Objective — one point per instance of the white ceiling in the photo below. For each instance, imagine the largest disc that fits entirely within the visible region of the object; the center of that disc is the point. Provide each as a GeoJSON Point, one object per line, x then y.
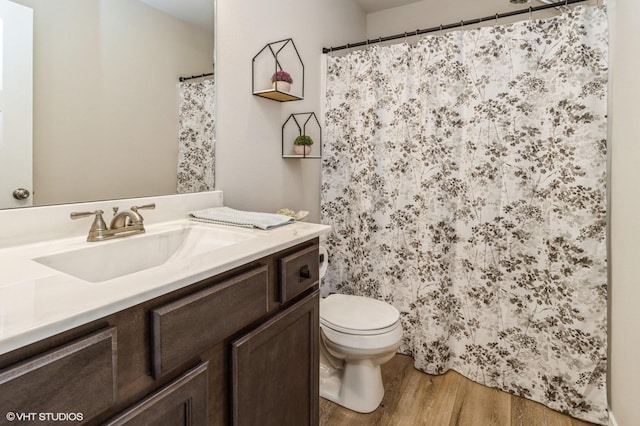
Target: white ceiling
{"type": "Point", "coordinates": [376, 5]}
{"type": "Point", "coordinates": [197, 12]}
{"type": "Point", "coordinates": [200, 12]}
{"type": "Point", "coordinates": [370, 6]}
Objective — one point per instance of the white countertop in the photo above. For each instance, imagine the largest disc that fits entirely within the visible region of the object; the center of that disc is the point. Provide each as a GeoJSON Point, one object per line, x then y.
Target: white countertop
{"type": "Point", "coordinates": [37, 302]}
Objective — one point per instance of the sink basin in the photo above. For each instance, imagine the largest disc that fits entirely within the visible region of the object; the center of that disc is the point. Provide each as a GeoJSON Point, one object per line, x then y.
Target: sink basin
{"type": "Point", "coordinates": [111, 259]}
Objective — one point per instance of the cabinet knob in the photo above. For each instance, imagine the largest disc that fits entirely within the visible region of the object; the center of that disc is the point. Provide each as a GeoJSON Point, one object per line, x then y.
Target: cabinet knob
{"type": "Point", "coordinates": [305, 273]}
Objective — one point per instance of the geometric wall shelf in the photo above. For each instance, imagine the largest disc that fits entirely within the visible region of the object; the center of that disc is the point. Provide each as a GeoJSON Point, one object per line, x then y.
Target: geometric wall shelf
{"type": "Point", "coordinates": [297, 132]}
{"type": "Point", "coordinates": [277, 72]}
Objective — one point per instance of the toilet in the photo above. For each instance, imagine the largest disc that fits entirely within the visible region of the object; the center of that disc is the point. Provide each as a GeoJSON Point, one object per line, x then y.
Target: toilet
{"type": "Point", "coordinates": [357, 335]}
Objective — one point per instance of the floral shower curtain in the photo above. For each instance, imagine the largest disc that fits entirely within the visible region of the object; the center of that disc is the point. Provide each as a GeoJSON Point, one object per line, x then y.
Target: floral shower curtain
{"type": "Point", "coordinates": [464, 178]}
{"type": "Point", "coordinates": [196, 136]}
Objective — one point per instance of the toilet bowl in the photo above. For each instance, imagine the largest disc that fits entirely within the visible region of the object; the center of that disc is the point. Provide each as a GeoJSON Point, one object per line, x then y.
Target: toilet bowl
{"type": "Point", "coordinates": [357, 335]}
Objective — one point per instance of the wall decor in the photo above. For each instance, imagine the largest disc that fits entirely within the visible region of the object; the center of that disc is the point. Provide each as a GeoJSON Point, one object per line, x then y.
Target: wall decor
{"type": "Point", "coordinates": [278, 72]}
{"type": "Point", "coordinates": [302, 136]}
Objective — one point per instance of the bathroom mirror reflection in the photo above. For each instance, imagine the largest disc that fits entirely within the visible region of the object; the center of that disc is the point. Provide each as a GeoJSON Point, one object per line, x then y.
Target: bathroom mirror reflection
{"type": "Point", "coordinates": [105, 96]}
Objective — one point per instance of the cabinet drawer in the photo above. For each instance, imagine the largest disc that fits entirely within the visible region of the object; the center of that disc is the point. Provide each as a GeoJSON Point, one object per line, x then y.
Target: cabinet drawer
{"type": "Point", "coordinates": [298, 272]}
{"type": "Point", "coordinates": [188, 326]}
{"type": "Point", "coordinates": [79, 377]}
{"type": "Point", "coordinates": [182, 402]}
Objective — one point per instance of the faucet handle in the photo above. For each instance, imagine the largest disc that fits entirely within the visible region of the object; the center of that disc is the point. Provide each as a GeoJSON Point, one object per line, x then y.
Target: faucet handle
{"type": "Point", "coordinates": [145, 207]}
{"type": "Point", "coordinates": [139, 217]}
{"type": "Point", "coordinates": [98, 227]}
{"type": "Point", "coordinates": [78, 215]}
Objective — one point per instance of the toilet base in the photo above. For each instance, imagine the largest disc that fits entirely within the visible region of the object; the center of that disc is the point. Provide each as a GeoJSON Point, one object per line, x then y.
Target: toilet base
{"type": "Point", "coordinates": [357, 386]}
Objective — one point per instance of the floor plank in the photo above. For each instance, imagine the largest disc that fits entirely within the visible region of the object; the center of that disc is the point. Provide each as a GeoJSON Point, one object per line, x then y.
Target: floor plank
{"type": "Point", "coordinates": [437, 394]}
{"type": "Point", "coordinates": [477, 404]}
{"type": "Point", "coordinates": [413, 398]}
{"type": "Point", "coordinates": [525, 412]}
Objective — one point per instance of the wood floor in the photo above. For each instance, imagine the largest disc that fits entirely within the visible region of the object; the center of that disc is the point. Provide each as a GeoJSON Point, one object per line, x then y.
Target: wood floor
{"type": "Point", "coordinates": [415, 398]}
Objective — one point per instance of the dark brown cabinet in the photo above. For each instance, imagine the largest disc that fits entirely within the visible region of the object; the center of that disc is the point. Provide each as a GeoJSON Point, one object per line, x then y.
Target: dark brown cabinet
{"type": "Point", "coordinates": [77, 379]}
{"type": "Point", "coordinates": [275, 369]}
{"type": "Point", "coordinates": [240, 347]}
{"type": "Point", "coordinates": [297, 272]}
{"type": "Point", "coordinates": [188, 326]}
{"type": "Point", "coordinates": [183, 402]}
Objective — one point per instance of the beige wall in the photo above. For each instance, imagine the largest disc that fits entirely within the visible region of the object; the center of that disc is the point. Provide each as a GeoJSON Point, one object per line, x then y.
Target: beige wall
{"type": "Point", "coordinates": [431, 13]}
{"type": "Point", "coordinates": [115, 59]}
{"type": "Point", "coordinates": [249, 166]}
{"type": "Point", "coordinates": [624, 374]}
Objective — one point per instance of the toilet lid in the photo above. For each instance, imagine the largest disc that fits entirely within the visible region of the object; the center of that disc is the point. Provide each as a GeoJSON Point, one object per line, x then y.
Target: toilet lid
{"type": "Point", "coordinates": [357, 314]}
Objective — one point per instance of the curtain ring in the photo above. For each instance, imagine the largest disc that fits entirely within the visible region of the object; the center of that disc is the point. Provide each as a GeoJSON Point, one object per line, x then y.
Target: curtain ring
{"type": "Point", "coordinates": [496, 19]}
{"type": "Point", "coordinates": [405, 37]}
{"type": "Point", "coordinates": [417, 38]}
{"type": "Point", "coordinates": [440, 27]}
{"type": "Point", "coordinates": [462, 24]}
{"type": "Point", "coordinates": [380, 40]}
{"type": "Point", "coordinates": [530, 13]}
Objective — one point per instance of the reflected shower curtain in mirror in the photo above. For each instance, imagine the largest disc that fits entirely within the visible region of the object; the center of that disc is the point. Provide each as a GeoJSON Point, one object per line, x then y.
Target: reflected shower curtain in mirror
{"type": "Point", "coordinates": [196, 132]}
{"type": "Point", "coordinates": [464, 179]}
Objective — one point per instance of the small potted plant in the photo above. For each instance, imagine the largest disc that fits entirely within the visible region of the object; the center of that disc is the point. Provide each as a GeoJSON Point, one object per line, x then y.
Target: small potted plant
{"type": "Point", "coordinates": [281, 81]}
{"type": "Point", "coordinates": [302, 145]}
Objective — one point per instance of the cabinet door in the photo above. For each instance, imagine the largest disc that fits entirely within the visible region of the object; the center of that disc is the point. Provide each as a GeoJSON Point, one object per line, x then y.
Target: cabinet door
{"type": "Point", "coordinates": [275, 369]}
{"type": "Point", "coordinates": [79, 377]}
{"type": "Point", "coordinates": [182, 402]}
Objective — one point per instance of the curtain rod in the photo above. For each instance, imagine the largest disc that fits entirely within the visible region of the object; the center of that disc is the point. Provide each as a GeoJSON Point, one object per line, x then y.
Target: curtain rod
{"type": "Point", "coordinates": [454, 25]}
{"type": "Point", "coordinates": [194, 76]}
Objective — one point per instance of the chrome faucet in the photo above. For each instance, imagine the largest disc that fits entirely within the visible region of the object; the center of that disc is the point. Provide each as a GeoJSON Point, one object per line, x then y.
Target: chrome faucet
{"type": "Point", "coordinates": [123, 224]}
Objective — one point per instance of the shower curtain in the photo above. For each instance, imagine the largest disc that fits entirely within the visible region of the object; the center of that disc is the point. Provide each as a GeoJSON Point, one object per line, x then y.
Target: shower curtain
{"type": "Point", "coordinates": [196, 136]}
{"type": "Point", "coordinates": [464, 178]}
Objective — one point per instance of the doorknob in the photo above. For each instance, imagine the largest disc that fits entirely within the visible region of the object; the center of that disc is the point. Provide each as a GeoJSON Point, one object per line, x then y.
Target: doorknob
{"type": "Point", "coordinates": [21, 194]}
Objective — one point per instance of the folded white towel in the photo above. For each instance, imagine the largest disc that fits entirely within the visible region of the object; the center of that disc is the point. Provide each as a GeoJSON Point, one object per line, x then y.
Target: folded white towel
{"type": "Point", "coordinates": [244, 219]}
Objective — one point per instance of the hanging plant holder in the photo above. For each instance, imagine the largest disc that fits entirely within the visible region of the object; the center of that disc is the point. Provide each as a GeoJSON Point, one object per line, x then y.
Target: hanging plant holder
{"type": "Point", "coordinates": [302, 136]}
{"type": "Point", "coordinates": [278, 72]}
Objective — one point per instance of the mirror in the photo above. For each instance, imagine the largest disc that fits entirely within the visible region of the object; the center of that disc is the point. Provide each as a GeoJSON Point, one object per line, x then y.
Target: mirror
{"type": "Point", "coordinates": [105, 94]}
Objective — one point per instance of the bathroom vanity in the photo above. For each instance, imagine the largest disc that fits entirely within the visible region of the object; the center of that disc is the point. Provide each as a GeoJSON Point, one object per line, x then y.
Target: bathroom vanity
{"type": "Point", "coordinates": [227, 336]}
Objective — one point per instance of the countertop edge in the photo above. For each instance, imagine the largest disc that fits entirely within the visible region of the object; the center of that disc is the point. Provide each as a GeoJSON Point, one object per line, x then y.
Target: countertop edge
{"type": "Point", "coordinates": [76, 319]}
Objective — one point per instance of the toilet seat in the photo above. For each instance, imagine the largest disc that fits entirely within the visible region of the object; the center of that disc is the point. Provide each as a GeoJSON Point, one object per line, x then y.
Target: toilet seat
{"type": "Point", "coordinates": [360, 332]}
{"type": "Point", "coordinates": [358, 315]}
